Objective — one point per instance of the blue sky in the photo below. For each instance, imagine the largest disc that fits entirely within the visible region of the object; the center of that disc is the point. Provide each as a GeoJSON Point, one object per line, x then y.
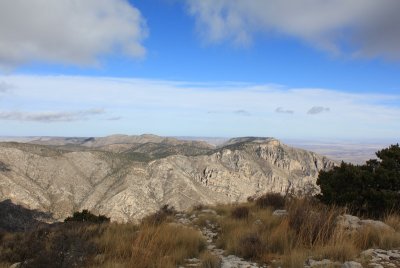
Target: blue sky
{"type": "Point", "coordinates": [306, 69]}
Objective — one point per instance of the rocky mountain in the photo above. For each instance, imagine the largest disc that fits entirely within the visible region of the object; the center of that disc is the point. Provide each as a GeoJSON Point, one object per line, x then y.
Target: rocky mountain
{"type": "Point", "coordinates": [127, 177]}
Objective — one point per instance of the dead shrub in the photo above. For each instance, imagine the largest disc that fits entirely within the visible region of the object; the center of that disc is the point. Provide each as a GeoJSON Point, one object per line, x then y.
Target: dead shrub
{"type": "Point", "coordinates": [250, 246]}
{"type": "Point", "coordinates": [274, 200]}
{"type": "Point", "coordinates": [313, 223]}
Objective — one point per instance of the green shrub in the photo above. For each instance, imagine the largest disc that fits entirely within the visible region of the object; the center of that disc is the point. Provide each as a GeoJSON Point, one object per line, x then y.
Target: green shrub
{"type": "Point", "coordinates": [370, 189]}
{"type": "Point", "coordinates": [86, 216]}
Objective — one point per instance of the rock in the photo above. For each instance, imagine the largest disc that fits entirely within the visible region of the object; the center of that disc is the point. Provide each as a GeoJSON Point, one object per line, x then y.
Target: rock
{"type": "Point", "coordinates": [16, 265]}
{"type": "Point", "coordinates": [352, 223]}
{"type": "Point", "coordinates": [209, 211]}
{"type": "Point", "coordinates": [382, 258]}
{"type": "Point", "coordinates": [377, 224]}
{"type": "Point", "coordinates": [352, 264]}
{"type": "Point", "coordinates": [280, 213]}
{"type": "Point", "coordinates": [322, 263]}
{"type": "Point", "coordinates": [257, 222]}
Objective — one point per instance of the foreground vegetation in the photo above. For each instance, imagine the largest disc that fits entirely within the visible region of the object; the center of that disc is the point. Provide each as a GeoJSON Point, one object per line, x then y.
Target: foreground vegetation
{"type": "Point", "coordinates": [309, 229]}
{"type": "Point", "coordinates": [249, 230]}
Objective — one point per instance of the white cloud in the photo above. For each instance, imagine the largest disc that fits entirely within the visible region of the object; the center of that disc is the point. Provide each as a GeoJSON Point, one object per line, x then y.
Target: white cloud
{"type": "Point", "coordinates": [68, 31]}
{"type": "Point", "coordinates": [367, 28]}
{"type": "Point", "coordinates": [192, 109]}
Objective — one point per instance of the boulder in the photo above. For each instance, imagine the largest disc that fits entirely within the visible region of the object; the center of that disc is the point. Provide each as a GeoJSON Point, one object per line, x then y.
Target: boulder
{"type": "Point", "coordinates": [352, 223]}
{"type": "Point", "coordinates": [352, 264]}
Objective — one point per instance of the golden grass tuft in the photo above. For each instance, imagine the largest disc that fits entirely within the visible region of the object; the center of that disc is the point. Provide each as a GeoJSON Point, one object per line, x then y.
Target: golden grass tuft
{"type": "Point", "coordinates": [164, 245]}
{"type": "Point", "coordinates": [393, 220]}
{"type": "Point", "coordinates": [209, 260]}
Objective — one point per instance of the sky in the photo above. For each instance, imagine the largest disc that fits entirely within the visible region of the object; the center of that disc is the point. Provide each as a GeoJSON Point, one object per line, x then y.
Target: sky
{"type": "Point", "coordinates": [304, 69]}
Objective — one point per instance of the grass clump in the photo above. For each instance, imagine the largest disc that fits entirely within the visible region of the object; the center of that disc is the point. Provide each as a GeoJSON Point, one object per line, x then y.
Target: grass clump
{"type": "Point", "coordinates": [209, 260]}
{"type": "Point", "coordinates": [241, 212]}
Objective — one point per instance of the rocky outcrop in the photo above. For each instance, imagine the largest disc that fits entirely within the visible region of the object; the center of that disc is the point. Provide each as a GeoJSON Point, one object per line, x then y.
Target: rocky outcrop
{"type": "Point", "coordinates": [61, 180]}
{"type": "Point", "coordinates": [381, 258]}
{"type": "Point", "coordinates": [352, 223]}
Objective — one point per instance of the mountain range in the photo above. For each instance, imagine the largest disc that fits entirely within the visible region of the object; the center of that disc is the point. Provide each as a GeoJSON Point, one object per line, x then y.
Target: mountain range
{"type": "Point", "coordinates": [128, 177]}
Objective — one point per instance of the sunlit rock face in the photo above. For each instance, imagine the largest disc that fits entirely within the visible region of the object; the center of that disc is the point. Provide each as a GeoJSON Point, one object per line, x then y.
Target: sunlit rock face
{"type": "Point", "coordinates": [128, 178]}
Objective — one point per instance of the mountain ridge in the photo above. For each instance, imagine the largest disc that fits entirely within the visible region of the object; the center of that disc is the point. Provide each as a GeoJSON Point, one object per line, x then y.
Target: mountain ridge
{"type": "Point", "coordinates": [128, 186]}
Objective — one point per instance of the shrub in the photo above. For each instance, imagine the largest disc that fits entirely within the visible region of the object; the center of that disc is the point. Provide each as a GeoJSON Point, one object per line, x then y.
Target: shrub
{"type": "Point", "coordinates": [160, 216]}
{"type": "Point", "coordinates": [313, 223]}
{"type": "Point", "coordinates": [371, 189]}
{"type": "Point", "coordinates": [274, 200]}
{"type": "Point", "coordinates": [250, 246]}
{"type": "Point", "coordinates": [86, 216]}
{"type": "Point", "coordinates": [240, 213]}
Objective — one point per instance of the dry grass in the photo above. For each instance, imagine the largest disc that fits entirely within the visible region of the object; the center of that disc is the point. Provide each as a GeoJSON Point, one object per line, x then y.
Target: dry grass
{"type": "Point", "coordinates": [393, 220]}
{"type": "Point", "coordinates": [108, 245]}
{"type": "Point", "coordinates": [369, 237]}
{"type": "Point", "coordinates": [308, 230]}
{"type": "Point", "coordinates": [209, 260]}
{"type": "Point", "coordinates": [247, 230]}
{"type": "Point", "coordinates": [294, 259]}
{"type": "Point", "coordinates": [163, 245]}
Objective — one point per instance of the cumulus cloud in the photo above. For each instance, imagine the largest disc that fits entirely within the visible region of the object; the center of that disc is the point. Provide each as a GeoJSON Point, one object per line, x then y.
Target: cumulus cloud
{"type": "Point", "coordinates": [242, 112]}
{"type": "Point", "coordinates": [318, 110]}
{"type": "Point", "coordinates": [68, 31]}
{"type": "Point", "coordinates": [50, 116]}
{"type": "Point", "coordinates": [281, 110]}
{"type": "Point", "coordinates": [367, 28]}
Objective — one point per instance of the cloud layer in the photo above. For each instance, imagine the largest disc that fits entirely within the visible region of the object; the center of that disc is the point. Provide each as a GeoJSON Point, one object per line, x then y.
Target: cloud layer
{"type": "Point", "coordinates": [4, 87]}
{"type": "Point", "coordinates": [135, 106]}
{"type": "Point", "coordinates": [365, 28]}
{"type": "Point", "coordinates": [68, 31]}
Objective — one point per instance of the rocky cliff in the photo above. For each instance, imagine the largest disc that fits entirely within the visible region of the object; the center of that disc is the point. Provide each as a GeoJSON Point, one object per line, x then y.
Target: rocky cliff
{"type": "Point", "coordinates": [126, 184]}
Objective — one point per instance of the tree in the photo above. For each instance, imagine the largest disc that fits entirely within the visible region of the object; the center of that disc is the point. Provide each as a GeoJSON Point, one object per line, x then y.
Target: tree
{"type": "Point", "coordinates": [372, 188]}
{"type": "Point", "coordinates": [87, 216]}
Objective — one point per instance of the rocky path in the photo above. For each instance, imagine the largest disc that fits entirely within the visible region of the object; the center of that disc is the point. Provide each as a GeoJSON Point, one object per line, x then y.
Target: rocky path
{"type": "Point", "coordinates": [210, 233]}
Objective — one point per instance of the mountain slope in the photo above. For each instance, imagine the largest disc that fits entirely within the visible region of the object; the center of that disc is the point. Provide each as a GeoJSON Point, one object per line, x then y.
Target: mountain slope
{"type": "Point", "coordinates": [49, 178]}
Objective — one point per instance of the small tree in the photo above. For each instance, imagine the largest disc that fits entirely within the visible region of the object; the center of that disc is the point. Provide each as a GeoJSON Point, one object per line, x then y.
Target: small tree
{"type": "Point", "coordinates": [372, 188]}
{"type": "Point", "coordinates": [87, 216]}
